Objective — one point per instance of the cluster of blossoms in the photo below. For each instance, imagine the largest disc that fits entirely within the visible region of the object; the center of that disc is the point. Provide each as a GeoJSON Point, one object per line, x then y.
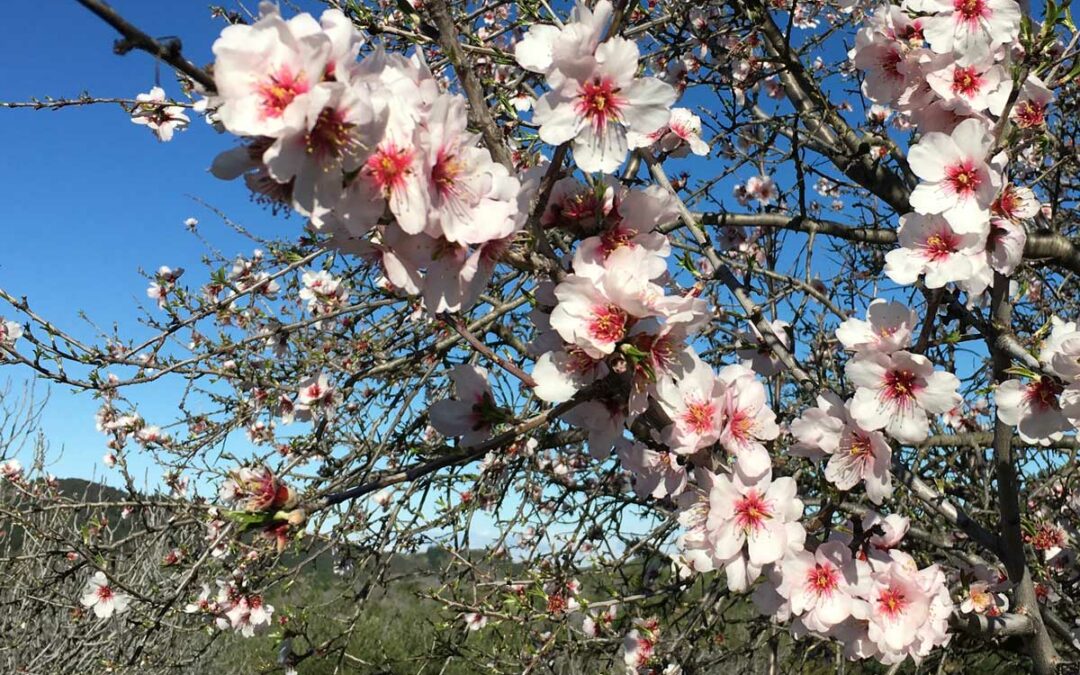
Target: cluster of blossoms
{"type": "Point", "coordinates": [945, 67]}
{"type": "Point", "coordinates": [264, 501]}
{"type": "Point", "coordinates": [233, 608]}
{"type": "Point", "coordinates": [323, 292]}
{"type": "Point", "coordinates": [878, 603]}
{"type": "Point", "coordinates": [377, 155]}
{"type": "Point", "coordinates": [372, 151]}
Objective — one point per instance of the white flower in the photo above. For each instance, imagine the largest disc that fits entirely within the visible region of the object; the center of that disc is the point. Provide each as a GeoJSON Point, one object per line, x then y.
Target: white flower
{"type": "Point", "coordinates": [99, 595]}
{"type": "Point", "coordinates": [595, 107]}
{"type": "Point", "coordinates": [152, 111]}
{"type": "Point", "coordinates": [957, 181]}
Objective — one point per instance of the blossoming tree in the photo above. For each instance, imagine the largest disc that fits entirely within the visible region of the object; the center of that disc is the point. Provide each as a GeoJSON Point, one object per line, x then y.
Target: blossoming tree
{"type": "Point", "coordinates": [749, 328]}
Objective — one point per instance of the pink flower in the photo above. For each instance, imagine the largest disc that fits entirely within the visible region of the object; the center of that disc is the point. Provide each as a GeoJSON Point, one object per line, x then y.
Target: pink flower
{"type": "Point", "coordinates": [748, 420]}
{"type": "Point", "coordinates": [9, 333]}
{"type": "Point", "coordinates": [969, 29]}
{"type": "Point", "coordinates": [763, 189]}
{"type": "Point", "coordinates": [264, 72]}
{"type": "Point", "coordinates": [1030, 109]}
{"type": "Point", "coordinates": [316, 397]}
{"type": "Point", "coordinates": [152, 111]}
{"type": "Point", "coordinates": [560, 374]}
{"type": "Point", "coordinates": [657, 474]}
{"type": "Point", "coordinates": [893, 529]}
{"type": "Point", "coordinates": [472, 199]}
{"type": "Point", "coordinates": [474, 621]}
{"type": "Point", "coordinates": [1060, 351]}
{"type": "Point", "coordinates": [695, 403]}
{"type": "Point", "coordinates": [100, 595]}
{"type": "Point", "coordinates": [895, 392]}
{"type": "Point", "coordinates": [472, 414]}
{"type": "Point", "coordinates": [819, 585]}
{"type": "Point", "coordinates": [931, 246]}
{"type": "Point", "coordinates": [596, 107]}
{"type": "Point", "coordinates": [575, 42]}
{"type": "Point", "coordinates": [956, 182]}
{"type": "Point", "coordinates": [1005, 246]}
{"type": "Point", "coordinates": [627, 219]}
{"type": "Point", "coordinates": [888, 328]}
{"type": "Point", "coordinates": [740, 523]}
{"type": "Point", "coordinates": [982, 600]}
{"type": "Point", "coordinates": [980, 86]}
{"type": "Point", "coordinates": [855, 454]}
{"type": "Point", "coordinates": [596, 313]}
{"type": "Point", "coordinates": [604, 419]}
{"type": "Point", "coordinates": [1033, 408]}
{"type": "Point", "coordinates": [339, 122]}
{"type": "Point", "coordinates": [680, 137]}
{"type": "Point", "coordinates": [248, 613]}
{"type": "Point", "coordinates": [886, 49]}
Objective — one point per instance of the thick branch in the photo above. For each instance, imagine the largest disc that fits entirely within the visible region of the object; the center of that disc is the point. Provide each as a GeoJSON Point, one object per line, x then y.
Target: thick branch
{"type": "Point", "coordinates": [1040, 648]}
{"type": "Point", "coordinates": [136, 39]}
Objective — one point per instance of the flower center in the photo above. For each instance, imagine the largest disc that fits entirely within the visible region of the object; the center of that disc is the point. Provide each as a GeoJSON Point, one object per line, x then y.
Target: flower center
{"type": "Point", "coordinates": [331, 136]}
{"type": "Point", "coordinates": [279, 90]}
{"type": "Point", "coordinates": [446, 171]}
{"type": "Point", "coordinates": [600, 102]}
{"type": "Point", "coordinates": [616, 238]}
{"type": "Point", "coordinates": [892, 602]}
{"type": "Point", "coordinates": [751, 512]}
{"type": "Point", "coordinates": [971, 10]}
{"type": "Point", "coordinates": [699, 416]}
{"type": "Point", "coordinates": [104, 593]}
{"type": "Point", "coordinates": [940, 246]}
{"type": "Point", "coordinates": [740, 425]}
{"type": "Point", "coordinates": [890, 64]}
{"type": "Point", "coordinates": [822, 580]}
{"type": "Point", "coordinates": [1029, 114]}
{"type": "Point", "coordinates": [966, 81]}
{"type": "Point", "coordinates": [900, 386]}
{"type": "Point", "coordinates": [1042, 394]}
{"type": "Point", "coordinates": [608, 324]}
{"type": "Point", "coordinates": [963, 179]}
{"type": "Point", "coordinates": [860, 446]}
{"type": "Point", "coordinates": [389, 166]}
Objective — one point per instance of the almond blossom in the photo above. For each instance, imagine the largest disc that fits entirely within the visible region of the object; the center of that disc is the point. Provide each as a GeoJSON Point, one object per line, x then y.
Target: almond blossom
{"type": "Point", "coordinates": [748, 420]}
{"type": "Point", "coordinates": [265, 71]}
{"type": "Point", "coordinates": [855, 454]}
{"type": "Point", "coordinates": [957, 181]}
{"type": "Point", "coordinates": [103, 598]}
{"type": "Point", "coordinates": [595, 107]}
{"type": "Point", "coordinates": [9, 332]}
{"type": "Point", "coordinates": [657, 474]}
{"type": "Point", "coordinates": [888, 327]}
{"type": "Point", "coordinates": [819, 585]}
{"type": "Point", "coordinates": [695, 403]}
{"type": "Point", "coordinates": [895, 392]}
{"type": "Point", "coordinates": [472, 413]}
{"type": "Point", "coordinates": [1035, 409]}
{"type": "Point", "coordinates": [739, 523]}
{"type": "Point", "coordinates": [931, 246]}
{"type": "Point", "coordinates": [969, 29]}
{"type": "Point", "coordinates": [152, 111]}
{"type": "Point", "coordinates": [980, 86]}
